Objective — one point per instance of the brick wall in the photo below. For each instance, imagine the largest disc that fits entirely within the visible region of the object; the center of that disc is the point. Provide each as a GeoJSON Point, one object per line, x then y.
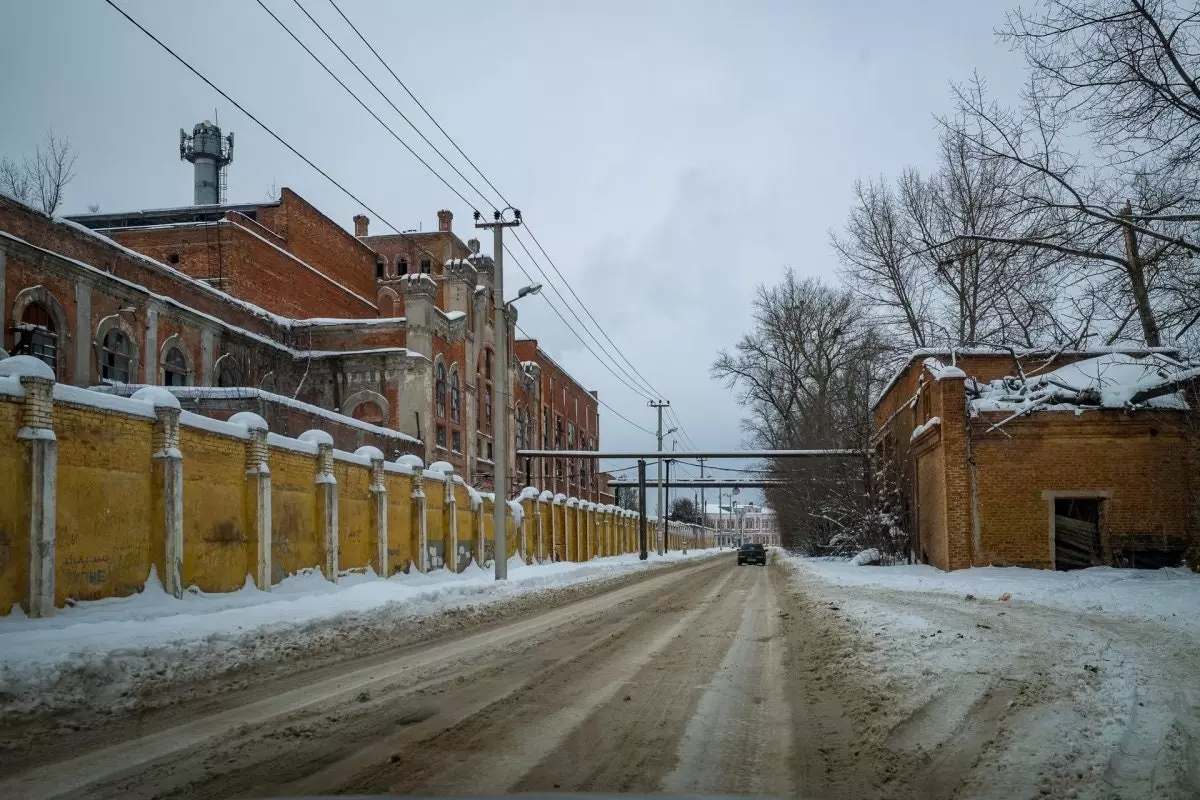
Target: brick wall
{"type": "Point", "coordinates": [987, 497]}
{"type": "Point", "coordinates": [253, 263]}
{"type": "Point", "coordinates": [1140, 464]}
{"type": "Point", "coordinates": [320, 241]}
{"type": "Point", "coordinates": [563, 400]}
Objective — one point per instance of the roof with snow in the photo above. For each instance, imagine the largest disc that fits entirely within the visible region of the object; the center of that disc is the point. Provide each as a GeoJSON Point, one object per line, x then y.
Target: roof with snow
{"type": "Point", "coordinates": [1112, 380]}
{"type": "Point", "coordinates": [925, 354]}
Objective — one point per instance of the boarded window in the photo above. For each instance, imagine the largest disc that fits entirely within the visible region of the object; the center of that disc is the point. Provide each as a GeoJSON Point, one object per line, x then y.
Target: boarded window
{"type": "Point", "coordinates": [1076, 533]}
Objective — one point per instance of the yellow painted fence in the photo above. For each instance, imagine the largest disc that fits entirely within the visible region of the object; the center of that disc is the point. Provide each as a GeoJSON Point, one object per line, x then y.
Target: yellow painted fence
{"type": "Point", "coordinates": [98, 491]}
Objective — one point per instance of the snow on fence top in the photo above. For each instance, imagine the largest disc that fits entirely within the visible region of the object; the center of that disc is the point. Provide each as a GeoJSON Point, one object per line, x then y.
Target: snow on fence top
{"type": "Point", "coordinates": [25, 366]}
{"type": "Point", "coordinates": [1113, 380]}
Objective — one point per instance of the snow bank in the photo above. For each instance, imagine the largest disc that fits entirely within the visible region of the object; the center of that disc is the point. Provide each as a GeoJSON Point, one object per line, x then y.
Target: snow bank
{"type": "Point", "coordinates": [1162, 594]}
{"type": "Point", "coordinates": [36, 651]}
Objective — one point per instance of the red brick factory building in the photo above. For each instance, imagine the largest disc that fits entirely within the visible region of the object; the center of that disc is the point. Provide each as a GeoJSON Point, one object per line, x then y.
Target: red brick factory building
{"type": "Point", "coordinates": [273, 307]}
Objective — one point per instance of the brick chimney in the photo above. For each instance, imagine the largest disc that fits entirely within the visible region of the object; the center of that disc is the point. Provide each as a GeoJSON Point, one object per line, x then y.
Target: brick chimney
{"type": "Point", "coordinates": [360, 224]}
{"type": "Point", "coordinates": [445, 218]}
{"type": "Point", "coordinates": [473, 246]}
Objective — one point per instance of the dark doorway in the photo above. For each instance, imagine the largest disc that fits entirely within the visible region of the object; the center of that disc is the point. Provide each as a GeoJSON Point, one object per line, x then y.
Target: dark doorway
{"type": "Point", "coordinates": [1076, 533]}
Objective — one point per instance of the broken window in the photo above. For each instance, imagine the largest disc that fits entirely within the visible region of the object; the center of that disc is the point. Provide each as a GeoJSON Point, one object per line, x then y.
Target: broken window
{"type": "Point", "coordinates": [36, 336]}
{"type": "Point", "coordinates": [116, 357]}
{"type": "Point", "coordinates": [175, 368]}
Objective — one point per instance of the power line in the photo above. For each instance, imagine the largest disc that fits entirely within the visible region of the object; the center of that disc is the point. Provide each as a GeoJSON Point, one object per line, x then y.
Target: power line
{"type": "Point", "coordinates": [367, 108]}
{"type": "Point", "coordinates": [558, 313]}
{"type": "Point", "coordinates": [346, 191]}
{"type": "Point", "coordinates": [424, 163]}
{"type": "Point", "coordinates": [639, 379]}
{"type": "Point", "coordinates": [725, 469]}
{"type": "Point", "coordinates": [587, 311]}
{"type": "Point", "coordinates": [325, 174]}
{"type": "Point", "coordinates": [388, 100]}
{"type": "Point", "coordinates": [264, 126]}
{"type": "Point", "coordinates": [421, 106]}
{"type": "Point", "coordinates": [598, 400]}
{"type": "Point", "coordinates": [582, 324]}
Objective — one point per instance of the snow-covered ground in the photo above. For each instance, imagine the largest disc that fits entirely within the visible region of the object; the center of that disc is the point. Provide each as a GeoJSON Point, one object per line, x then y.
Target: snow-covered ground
{"type": "Point", "coordinates": [121, 639]}
{"type": "Point", "coordinates": [1081, 684]}
{"type": "Point", "coordinates": [1169, 596]}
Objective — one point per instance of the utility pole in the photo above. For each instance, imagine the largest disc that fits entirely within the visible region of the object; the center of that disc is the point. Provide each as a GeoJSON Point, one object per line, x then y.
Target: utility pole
{"type": "Point", "coordinates": [642, 554]}
{"type": "Point", "coordinates": [660, 405]}
{"type": "Point", "coordinates": [500, 391]}
{"type": "Point", "coordinates": [667, 519]}
{"type": "Point", "coordinates": [703, 508]}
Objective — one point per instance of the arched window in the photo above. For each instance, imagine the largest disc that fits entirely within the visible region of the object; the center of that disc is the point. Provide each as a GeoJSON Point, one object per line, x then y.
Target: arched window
{"type": "Point", "coordinates": [175, 371]}
{"type": "Point", "coordinates": [116, 357]}
{"type": "Point", "coordinates": [455, 396]}
{"type": "Point", "coordinates": [228, 376]}
{"type": "Point", "coordinates": [487, 410]}
{"type": "Point", "coordinates": [37, 336]}
{"type": "Point", "coordinates": [401, 265]}
{"type": "Point", "coordinates": [368, 411]}
{"type": "Point", "coordinates": [440, 389]}
{"type": "Point", "coordinates": [426, 266]}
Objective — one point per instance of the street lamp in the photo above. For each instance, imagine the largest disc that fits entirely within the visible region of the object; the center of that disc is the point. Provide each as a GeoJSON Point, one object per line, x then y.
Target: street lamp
{"type": "Point", "coordinates": [525, 291]}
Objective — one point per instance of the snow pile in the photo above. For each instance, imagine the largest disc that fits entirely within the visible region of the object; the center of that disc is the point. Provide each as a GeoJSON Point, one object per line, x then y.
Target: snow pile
{"type": "Point", "coordinates": [1111, 380]}
{"type": "Point", "coordinates": [866, 557]}
{"type": "Point", "coordinates": [35, 652]}
{"type": "Point", "coordinates": [1163, 594]}
{"type": "Point", "coordinates": [940, 371]}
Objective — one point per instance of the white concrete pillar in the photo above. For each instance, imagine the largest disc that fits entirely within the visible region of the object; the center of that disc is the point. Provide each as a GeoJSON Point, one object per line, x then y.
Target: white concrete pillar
{"type": "Point", "coordinates": [419, 523]}
{"type": "Point", "coordinates": [571, 521]}
{"type": "Point", "coordinates": [327, 499]}
{"type": "Point", "coordinates": [450, 504]}
{"type": "Point", "coordinates": [37, 432]}
{"type": "Point", "coordinates": [258, 495]}
{"type": "Point", "coordinates": [379, 509]}
{"type": "Point", "coordinates": [168, 473]}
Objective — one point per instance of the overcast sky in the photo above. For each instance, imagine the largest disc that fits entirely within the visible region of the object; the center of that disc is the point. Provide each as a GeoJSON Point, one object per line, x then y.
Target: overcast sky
{"type": "Point", "coordinates": [669, 155]}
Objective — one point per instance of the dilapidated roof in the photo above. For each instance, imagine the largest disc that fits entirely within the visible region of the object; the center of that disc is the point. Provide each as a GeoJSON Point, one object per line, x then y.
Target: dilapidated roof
{"type": "Point", "coordinates": [1112, 380]}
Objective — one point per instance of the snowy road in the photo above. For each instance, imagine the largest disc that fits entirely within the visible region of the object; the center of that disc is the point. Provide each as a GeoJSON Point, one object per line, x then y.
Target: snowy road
{"type": "Point", "coordinates": [701, 678]}
{"type": "Point", "coordinates": [674, 682]}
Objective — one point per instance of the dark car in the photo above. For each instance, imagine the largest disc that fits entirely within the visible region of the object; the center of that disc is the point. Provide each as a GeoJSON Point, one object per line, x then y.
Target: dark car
{"type": "Point", "coordinates": [751, 553]}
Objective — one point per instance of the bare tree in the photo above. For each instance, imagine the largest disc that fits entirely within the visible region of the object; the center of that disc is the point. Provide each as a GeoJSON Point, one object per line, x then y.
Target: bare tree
{"type": "Point", "coordinates": [14, 181]}
{"type": "Point", "coordinates": [1124, 234]}
{"type": "Point", "coordinates": [627, 498]}
{"type": "Point", "coordinates": [1128, 69]}
{"type": "Point", "coordinates": [806, 374]}
{"type": "Point", "coordinates": [684, 509]}
{"type": "Point", "coordinates": [39, 181]}
{"type": "Point", "coordinates": [904, 254]}
{"type": "Point", "coordinates": [876, 255]}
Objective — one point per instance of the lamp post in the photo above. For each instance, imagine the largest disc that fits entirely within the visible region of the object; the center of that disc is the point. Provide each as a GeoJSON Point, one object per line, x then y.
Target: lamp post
{"type": "Point", "coordinates": [500, 396]}
{"type": "Point", "coordinates": [500, 428]}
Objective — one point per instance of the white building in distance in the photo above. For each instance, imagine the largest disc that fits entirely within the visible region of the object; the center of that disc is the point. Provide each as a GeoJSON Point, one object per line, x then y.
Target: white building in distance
{"type": "Point", "coordinates": [733, 522]}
